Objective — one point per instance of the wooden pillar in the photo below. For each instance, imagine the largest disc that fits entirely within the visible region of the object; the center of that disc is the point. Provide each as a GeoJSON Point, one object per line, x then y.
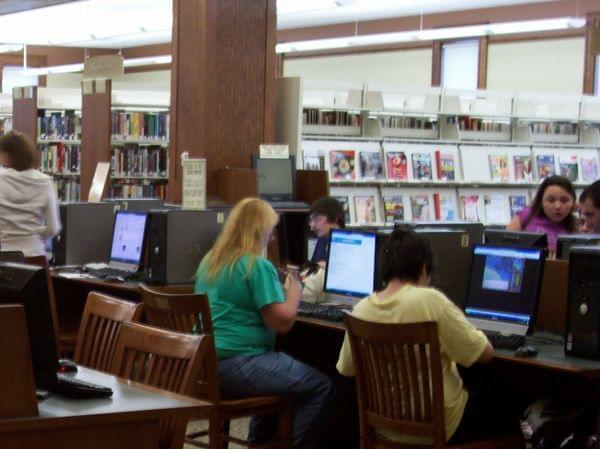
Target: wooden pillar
{"type": "Point", "coordinates": [95, 129]}
{"type": "Point", "coordinates": [25, 113]}
{"type": "Point", "coordinates": [222, 84]}
{"type": "Point", "coordinates": [482, 62]}
{"type": "Point", "coordinates": [436, 64]}
{"type": "Point", "coordinates": [592, 49]}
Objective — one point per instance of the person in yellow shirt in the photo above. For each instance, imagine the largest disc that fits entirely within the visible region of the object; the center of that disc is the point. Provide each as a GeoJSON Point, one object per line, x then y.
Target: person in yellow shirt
{"type": "Point", "coordinates": [406, 264]}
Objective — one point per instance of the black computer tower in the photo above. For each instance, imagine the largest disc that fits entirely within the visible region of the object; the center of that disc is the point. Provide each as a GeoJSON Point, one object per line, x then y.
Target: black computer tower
{"type": "Point", "coordinates": [177, 240]}
{"type": "Point", "coordinates": [86, 233]}
{"type": "Point", "coordinates": [583, 303]}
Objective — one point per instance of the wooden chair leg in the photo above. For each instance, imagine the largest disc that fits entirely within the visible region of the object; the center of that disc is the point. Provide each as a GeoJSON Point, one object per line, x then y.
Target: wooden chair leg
{"type": "Point", "coordinates": [284, 427]}
{"type": "Point", "coordinates": [214, 431]}
{"type": "Point", "coordinates": [225, 434]}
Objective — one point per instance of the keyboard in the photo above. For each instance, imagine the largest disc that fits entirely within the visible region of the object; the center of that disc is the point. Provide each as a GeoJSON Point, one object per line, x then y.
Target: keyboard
{"type": "Point", "coordinates": [288, 205]}
{"type": "Point", "coordinates": [78, 389]}
{"type": "Point", "coordinates": [109, 272]}
{"type": "Point", "coordinates": [502, 341]}
{"type": "Point", "coordinates": [322, 311]}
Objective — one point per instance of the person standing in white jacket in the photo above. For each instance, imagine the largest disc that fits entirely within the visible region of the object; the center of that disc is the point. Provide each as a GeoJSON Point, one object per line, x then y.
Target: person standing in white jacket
{"type": "Point", "coordinates": [28, 203]}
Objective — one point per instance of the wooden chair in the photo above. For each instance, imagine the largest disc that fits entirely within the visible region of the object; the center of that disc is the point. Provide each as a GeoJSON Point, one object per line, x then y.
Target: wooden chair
{"type": "Point", "coordinates": [103, 317]}
{"type": "Point", "coordinates": [162, 359]}
{"type": "Point", "coordinates": [399, 385]}
{"type": "Point", "coordinates": [185, 312]}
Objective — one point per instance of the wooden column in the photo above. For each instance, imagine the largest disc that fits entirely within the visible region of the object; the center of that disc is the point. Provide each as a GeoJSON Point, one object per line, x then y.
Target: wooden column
{"type": "Point", "coordinates": [482, 62]}
{"type": "Point", "coordinates": [592, 49]}
{"type": "Point", "coordinates": [436, 64]}
{"type": "Point", "coordinates": [222, 84]}
{"type": "Point", "coordinates": [25, 113]}
{"type": "Point", "coordinates": [95, 129]}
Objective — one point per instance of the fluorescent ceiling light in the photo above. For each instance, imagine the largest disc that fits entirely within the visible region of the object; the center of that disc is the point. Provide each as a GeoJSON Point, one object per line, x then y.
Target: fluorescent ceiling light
{"type": "Point", "coordinates": [73, 68]}
{"type": "Point", "coordinates": [433, 34]}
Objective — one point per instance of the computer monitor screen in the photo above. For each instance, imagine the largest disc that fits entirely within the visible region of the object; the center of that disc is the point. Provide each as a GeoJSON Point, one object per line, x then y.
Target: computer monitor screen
{"type": "Point", "coordinates": [28, 285]}
{"type": "Point", "coordinates": [128, 238]}
{"type": "Point", "coordinates": [503, 288]}
{"type": "Point", "coordinates": [350, 266]}
{"type": "Point", "coordinates": [516, 238]}
{"type": "Point", "coordinates": [276, 178]}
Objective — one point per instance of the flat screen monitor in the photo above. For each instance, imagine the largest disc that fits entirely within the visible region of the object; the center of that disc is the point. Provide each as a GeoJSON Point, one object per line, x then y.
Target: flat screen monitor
{"type": "Point", "coordinates": [28, 285]}
{"type": "Point", "coordinates": [127, 244]}
{"type": "Point", "coordinates": [504, 287]}
{"type": "Point", "coordinates": [566, 242]}
{"type": "Point", "coordinates": [516, 238]}
{"type": "Point", "coordinates": [276, 178]}
{"type": "Point", "coordinates": [350, 269]}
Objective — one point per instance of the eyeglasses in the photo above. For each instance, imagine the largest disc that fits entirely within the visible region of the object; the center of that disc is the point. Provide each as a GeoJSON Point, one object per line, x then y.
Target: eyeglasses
{"type": "Point", "coordinates": [313, 218]}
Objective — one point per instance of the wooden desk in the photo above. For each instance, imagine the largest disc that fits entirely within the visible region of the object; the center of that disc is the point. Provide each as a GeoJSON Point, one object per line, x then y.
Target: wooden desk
{"type": "Point", "coordinates": [129, 419]}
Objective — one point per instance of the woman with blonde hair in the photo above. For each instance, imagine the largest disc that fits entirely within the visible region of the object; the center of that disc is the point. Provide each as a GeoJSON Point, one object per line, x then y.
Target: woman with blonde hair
{"type": "Point", "coordinates": [248, 308]}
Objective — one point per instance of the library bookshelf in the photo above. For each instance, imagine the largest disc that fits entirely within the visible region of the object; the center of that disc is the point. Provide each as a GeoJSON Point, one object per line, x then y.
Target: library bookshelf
{"type": "Point", "coordinates": [437, 154]}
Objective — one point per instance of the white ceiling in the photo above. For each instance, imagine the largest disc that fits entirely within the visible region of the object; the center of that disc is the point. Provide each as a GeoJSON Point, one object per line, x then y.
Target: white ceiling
{"type": "Point", "coordinates": [130, 23]}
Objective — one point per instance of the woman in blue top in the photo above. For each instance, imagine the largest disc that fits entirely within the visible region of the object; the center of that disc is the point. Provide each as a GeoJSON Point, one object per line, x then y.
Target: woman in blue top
{"type": "Point", "coordinates": [248, 308]}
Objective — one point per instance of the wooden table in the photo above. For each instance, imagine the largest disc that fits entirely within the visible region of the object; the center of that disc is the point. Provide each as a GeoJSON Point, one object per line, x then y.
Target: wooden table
{"type": "Point", "coordinates": [129, 419]}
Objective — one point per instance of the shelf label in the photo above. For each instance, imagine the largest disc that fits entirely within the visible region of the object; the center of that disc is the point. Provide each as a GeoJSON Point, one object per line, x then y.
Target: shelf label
{"type": "Point", "coordinates": [268, 151]}
{"type": "Point", "coordinates": [194, 183]}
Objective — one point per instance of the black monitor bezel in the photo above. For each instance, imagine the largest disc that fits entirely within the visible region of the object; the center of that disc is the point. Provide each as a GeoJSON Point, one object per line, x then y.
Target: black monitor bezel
{"type": "Point", "coordinates": [533, 239]}
{"type": "Point", "coordinates": [276, 196]}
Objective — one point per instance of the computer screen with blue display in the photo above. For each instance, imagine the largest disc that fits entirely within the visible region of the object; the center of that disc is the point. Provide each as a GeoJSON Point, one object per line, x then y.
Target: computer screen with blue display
{"type": "Point", "coordinates": [504, 288]}
{"type": "Point", "coordinates": [128, 239]}
{"type": "Point", "coordinates": [350, 267]}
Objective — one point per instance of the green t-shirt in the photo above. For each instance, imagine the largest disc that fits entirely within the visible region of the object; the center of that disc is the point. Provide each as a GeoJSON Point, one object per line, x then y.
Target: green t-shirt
{"type": "Point", "coordinates": [236, 297]}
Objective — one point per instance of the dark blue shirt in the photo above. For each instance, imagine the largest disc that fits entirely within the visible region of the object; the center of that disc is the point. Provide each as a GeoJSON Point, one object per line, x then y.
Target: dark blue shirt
{"type": "Point", "coordinates": [320, 253]}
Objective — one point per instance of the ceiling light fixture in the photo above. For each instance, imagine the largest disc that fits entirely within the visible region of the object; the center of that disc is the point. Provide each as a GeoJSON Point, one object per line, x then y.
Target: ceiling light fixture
{"type": "Point", "coordinates": [433, 34]}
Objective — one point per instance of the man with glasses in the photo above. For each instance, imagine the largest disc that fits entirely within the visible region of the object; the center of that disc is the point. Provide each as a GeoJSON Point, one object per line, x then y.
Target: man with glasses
{"type": "Point", "coordinates": [325, 214]}
{"type": "Point", "coordinates": [589, 202]}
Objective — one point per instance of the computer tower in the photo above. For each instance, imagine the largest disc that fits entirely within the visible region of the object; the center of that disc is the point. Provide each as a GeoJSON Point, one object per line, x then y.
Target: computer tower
{"type": "Point", "coordinates": [565, 242]}
{"type": "Point", "coordinates": [177, 241]}
{"type": "Point", "coordinates": [85, 235]}
{"type": "Point", "coordinates": [583, 303]}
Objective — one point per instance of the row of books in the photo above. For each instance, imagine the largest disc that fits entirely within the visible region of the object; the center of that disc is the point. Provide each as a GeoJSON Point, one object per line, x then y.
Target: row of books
{"type": "Point", "coordinates": [60, 158]}
{"type": "Point", "coordinates": [135, 160]}
{"type": "Point", "coordinates": [127, 125]}
{"type": "Point", "coordinates": [565, 128]}
{"type": "Point", "coordinates": [57, 125]}
{"type": "Point", "coordinates": [68, 190]}
{"type": "Point", "coordinates": [467, 123]}
{"type": "Point", "coordinates": [489, 208]}
{"type": "Point", "coordinates": [400, 121]}
{"type": "Point", "coordinates": [137, 191]}
{"type": "Point", "coordinates": [400, 166]}
{"type": "Point", "coordinates": [314, 116]}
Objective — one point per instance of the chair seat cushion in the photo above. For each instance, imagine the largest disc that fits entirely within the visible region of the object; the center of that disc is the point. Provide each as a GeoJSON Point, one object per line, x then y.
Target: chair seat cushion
{"type": "Point", "coordinates": [243, 407]}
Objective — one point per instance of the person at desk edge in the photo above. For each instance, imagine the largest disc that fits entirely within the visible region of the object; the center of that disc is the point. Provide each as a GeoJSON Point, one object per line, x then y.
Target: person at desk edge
{"type": "Point", "coordinates": [28, 203]}
{"type": "Point", "coordinates": [325, 214]}
{"type": "Point", "coordinates": [589, 201]}
{"type": "Point", "coordinates": [406, 268]}
{"type": "Point", "coordinates": [551, 211]}
{"type": "Point", "coordinates": [248, 307]}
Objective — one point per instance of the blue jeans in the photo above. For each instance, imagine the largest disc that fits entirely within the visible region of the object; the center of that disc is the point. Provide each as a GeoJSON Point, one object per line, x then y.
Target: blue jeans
{"type": "Point", "coordinates": [278, 373]}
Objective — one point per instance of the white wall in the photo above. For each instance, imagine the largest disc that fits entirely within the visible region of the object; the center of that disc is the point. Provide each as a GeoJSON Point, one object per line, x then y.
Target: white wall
{"type": "Point", "coordinates": [399, 68]}
{"type": "Point", "coordinates": [156, 80]}
{"type": "Point", "coordinates": [553, 65]}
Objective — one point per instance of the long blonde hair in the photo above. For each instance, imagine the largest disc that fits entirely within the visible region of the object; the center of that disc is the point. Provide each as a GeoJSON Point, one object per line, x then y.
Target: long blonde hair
{"type": "Point", "coordinates": [243, 234]}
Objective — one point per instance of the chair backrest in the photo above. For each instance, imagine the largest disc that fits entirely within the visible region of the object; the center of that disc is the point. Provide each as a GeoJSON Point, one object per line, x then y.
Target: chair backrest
{"type": "Point", "coordinates": [182, 312]}
{"type": "Point", "coordinates": [398, 378]}
{"type": "Point", "coordinates": [162, 359]}
{"type": "Point", "coordinates": [101, 323]}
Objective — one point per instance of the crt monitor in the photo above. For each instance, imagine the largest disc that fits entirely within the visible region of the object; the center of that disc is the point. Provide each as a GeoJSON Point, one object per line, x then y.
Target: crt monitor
{"type": "Point", "coordinates": [28, 285]}
{"type": "Point", "coordinates": [128, 240]}
{"type": "Point", "coordinates": [276, 178]}
{"type": "Point", "coordinates": [516, 238]}
{"type": "Point", "coordinates": [504, 287]}
{"type": "Point", "coordinates": [566, 242]}
{"type": "Point", "coordinates": [350, 269]}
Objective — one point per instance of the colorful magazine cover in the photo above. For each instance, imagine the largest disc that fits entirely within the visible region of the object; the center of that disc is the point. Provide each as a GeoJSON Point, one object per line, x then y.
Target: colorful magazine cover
{"type": "Point", "coordinates": [396, 165]}
{"type": "Point", "coordinates": [445, 166]}
{"type": "Point", "coordinates": [346, 206]}
{"type": "Point", "coordinates": [341, 164]}
{"type": "Point", "coordinates": [517, 204]}
{"type": "Point", "coordinates": [589, 169]}
{"type": "Point", "coordinates": [364, 209]}
{"type": "Point", "coordinates": [499, 167]}
{"type": "Point", "coordinates": [569, 167]}
{"type": "Point", "coordinates": [421, 163]}
{"type": "Point", "coordinates": [394, 208]}
{"type": "Point", "coordinates": [420, 208]}
{"type": "Point", "coordinates": [493, 206]}
{"type": "Point", "coordinates": [469, 206]}
{"type": "Point", "coordinates": [445, 207]}
{"type": "Point", "coordinates": [545, 165]}
{"type": "Point", "coordinates": [370, 165]}
{"type": "Point", "coordinates": [523, 168]}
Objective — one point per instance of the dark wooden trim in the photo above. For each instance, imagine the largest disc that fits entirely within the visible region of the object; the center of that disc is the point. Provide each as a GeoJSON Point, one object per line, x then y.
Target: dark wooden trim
{"type": "Point", "coordinates": [436, 64]}
{"type": "Point", "coordinates": [270, 72]}
{"type": "Point", "coordinates": [148, 68]}
{"type": "Point", "coordinates": [25, 115]}
{"type": "Point", "coordinates": [279, 69]}
{"type": "Point", "coordinates": [541, 36]}
{"type": "Point", "coordinates": [589, 71]}
{"type": "Point", "coordinates": [482, 63]}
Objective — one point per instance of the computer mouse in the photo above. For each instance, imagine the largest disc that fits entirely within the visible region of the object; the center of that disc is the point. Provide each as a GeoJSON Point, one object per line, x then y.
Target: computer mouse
{"type": "Point", "coordinates": [526, 351]}
{"type": "Point", "coordinates": [66, 366]}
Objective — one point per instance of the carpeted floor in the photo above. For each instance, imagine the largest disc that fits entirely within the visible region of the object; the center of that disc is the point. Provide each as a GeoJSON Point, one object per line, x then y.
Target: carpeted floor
{"type": "Point", "coordinates": [238, 428]}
